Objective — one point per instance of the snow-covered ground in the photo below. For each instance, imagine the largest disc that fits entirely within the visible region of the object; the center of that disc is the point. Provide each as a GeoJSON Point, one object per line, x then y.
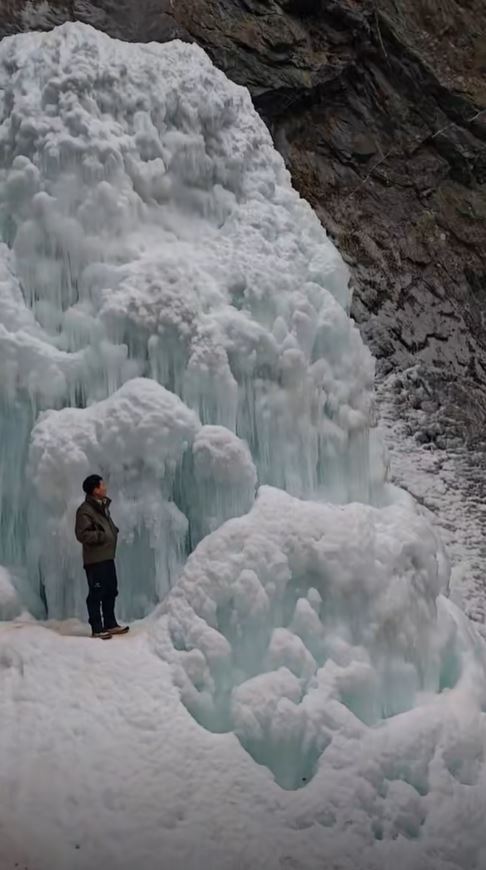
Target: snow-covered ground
{"type": "Point", "coordinates": [299, 693]}
{"type": "Point", "coordinates": [102, 765]}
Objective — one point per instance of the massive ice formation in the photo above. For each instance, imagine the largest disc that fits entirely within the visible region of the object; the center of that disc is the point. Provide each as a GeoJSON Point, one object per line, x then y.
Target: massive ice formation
{"type": "Point", "coordinates": [149, 229]}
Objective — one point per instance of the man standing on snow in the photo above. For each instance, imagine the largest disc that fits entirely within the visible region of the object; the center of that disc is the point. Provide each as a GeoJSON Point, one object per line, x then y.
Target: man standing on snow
{"type": "Point", "coordinates": [96, 531]}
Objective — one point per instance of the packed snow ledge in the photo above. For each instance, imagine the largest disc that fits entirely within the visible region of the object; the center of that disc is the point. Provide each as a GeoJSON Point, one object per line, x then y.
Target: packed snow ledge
{"type": "Point", "coordinates": [297, 691]}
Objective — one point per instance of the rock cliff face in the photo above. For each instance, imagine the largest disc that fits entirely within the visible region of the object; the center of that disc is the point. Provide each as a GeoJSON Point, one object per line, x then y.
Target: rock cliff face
{"type": "Point", "coordinates": [376, 106]}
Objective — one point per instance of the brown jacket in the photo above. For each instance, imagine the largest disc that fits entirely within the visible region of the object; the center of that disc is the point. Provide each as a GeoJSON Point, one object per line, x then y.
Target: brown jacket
{"type": "Point", "coordinates": [96, 531]}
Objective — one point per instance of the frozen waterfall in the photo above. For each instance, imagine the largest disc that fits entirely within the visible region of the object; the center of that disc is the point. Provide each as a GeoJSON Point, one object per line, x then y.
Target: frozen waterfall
{"type": "Point", "coordinates": [173, 316]}
{"type": "Point", "coordinates": [149, 230]}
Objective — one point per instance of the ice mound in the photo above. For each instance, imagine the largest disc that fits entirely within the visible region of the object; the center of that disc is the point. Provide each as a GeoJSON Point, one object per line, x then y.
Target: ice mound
{"type": "Point", "coordinates": [171, 477]}
{"type": "Point", "coordinates": [296, 620]}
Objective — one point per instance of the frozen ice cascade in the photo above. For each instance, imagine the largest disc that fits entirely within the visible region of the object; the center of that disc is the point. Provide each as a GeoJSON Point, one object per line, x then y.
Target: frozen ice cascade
{"type": "Point", "coordinates": [173, 316]}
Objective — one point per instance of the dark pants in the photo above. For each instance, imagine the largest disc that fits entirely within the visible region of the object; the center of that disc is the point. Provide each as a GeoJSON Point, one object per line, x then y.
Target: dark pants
{"type": "Point", "coordinates": [103, 589]}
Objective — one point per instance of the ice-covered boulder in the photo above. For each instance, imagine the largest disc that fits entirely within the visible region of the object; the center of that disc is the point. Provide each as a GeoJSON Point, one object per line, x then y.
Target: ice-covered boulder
{"type": "Point", "coordinates": [300, 619]}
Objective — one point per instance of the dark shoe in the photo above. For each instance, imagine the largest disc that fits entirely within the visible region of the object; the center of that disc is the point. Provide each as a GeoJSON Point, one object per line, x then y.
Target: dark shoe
{"type": "Point", "coordinates": [102, 635]}
{"type": "Point", "coordinates": [118, 629]}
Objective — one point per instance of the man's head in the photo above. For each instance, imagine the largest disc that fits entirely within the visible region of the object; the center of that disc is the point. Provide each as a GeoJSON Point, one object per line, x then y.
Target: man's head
{"type": "Point", "coordinates": [95, 486]}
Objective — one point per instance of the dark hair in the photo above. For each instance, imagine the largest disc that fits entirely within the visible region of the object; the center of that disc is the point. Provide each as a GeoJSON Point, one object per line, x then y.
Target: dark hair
{"type": "Point", "coordinates": [91, 483]}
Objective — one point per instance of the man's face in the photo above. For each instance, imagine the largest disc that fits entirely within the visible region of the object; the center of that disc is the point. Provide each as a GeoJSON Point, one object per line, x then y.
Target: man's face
{"type": "Point", "coordinates": [100, 491]}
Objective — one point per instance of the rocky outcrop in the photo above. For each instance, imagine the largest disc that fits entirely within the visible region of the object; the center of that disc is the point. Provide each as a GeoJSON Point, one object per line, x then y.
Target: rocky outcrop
{"type": "Point", "coordinates": [376, 106]}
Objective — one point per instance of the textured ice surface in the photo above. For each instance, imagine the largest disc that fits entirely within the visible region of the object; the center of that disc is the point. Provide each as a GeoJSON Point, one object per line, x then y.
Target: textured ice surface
{"type": "Point", "coordinates": [150, 229]}
{"type": "Point", "coordinates": [292, 617]}
{"type": "Point", "coordinates": [173, 316]}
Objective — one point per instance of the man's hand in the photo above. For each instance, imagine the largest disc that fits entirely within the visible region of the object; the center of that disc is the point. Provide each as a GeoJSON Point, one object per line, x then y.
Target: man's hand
{"type": "Point", "coordinates": [86, 533]}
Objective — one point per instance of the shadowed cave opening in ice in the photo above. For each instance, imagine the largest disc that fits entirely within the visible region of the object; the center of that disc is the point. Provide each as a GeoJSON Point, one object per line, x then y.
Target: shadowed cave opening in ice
{"type": "Point", "coordinates": [174, 317]}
